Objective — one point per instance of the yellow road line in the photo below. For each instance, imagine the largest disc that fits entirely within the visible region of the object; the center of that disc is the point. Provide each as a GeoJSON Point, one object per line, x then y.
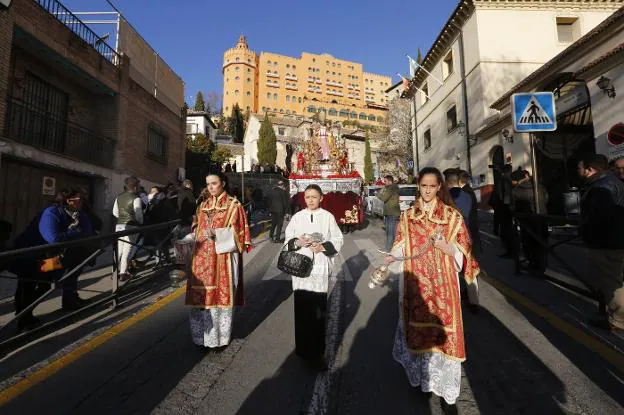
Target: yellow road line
{"type": "Point", "coordinates": [607, 353]}
{"type": "Point", "coordinates": [45, 372]}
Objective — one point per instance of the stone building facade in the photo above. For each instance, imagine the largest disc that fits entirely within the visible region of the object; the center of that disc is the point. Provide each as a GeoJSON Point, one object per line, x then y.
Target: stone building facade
{"type": "Point", "coordinates": [284, 85]}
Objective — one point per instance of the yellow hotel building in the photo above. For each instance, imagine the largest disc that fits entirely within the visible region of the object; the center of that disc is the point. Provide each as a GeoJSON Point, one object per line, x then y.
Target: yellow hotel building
{"type": "Point", "coordinates": [311, 84]}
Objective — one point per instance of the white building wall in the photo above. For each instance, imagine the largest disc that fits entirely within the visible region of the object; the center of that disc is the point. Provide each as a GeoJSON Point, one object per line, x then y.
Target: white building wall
{"type": "Point", "coordinates": [501, 47]}
{"type": "Point", "coordinates": [606, 112]}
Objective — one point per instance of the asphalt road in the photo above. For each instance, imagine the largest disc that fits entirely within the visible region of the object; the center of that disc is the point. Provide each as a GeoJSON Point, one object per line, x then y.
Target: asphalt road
{"type": "Point", "coordinates": [517, 362]}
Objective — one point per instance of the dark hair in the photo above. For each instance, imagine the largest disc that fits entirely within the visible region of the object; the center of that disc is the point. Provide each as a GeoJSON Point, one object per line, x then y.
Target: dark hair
{"type": "Point", "coordinates": [464, 176]}
{"type": "Point", "coordinates": [314, 187]}
{"type": "Point", "coordinates": [223, 180]}
{"type": "Point", "coordinates": [64, 194]}
{"type": "Point", "coordinates": [598, 162]}
{"type": "Point", "coordinates": [389, 177]}
{"type": "Point", "coordinates": [451, 176]}
{"type": "Point", "coordinates": [131, 182]}
{"type": "Point", "coordinates": [443, 193]}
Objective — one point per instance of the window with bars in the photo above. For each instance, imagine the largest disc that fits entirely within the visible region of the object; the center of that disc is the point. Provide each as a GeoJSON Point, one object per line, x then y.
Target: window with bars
{"type": "Point", "coordinates": [156, 145]}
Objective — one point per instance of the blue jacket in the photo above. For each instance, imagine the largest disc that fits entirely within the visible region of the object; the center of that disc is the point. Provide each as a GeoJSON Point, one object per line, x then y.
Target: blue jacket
{"type": "Point", "coordinates": [51, 227]}
{"type": "Point", "coordinates": [463, 202]}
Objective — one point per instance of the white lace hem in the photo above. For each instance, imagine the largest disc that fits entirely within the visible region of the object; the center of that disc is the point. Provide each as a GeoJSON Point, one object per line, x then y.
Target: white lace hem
{"type": "Point", "coordinates": [433, 372]}
{"type": "Point", "coordinates": [211, 327]}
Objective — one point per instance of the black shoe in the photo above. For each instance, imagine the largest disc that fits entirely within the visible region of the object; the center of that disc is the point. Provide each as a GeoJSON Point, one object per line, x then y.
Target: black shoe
{"type": "Point", "coordinates": [602, 322]}
{"type": "Point", "coordinates": [448, 409]}
{"type": "Point", "coordinates": [74, 303]}
{"type": "Point", "coordinates": [125, 276]}
{"type": "Point", "coordinates": [28, 322]}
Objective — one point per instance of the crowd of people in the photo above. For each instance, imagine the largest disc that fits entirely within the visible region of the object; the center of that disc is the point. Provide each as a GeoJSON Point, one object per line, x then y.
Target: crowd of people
{"type": "Point", "coordinates": [71, 217]}
{"type": "Point", "coordinates": [432, 245]}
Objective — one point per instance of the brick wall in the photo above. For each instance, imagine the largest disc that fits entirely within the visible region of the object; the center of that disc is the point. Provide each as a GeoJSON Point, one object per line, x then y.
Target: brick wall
{"type": "Point", "coordinates": [96, 112]}
{"type": "Point", "coordinates": [138, 111]}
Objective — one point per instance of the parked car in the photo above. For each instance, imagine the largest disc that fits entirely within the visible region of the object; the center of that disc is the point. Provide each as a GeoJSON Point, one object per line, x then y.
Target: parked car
{"type": "Point", "coordinates": [408, 193]}
{"type": "Point", "coordinates": [372, 203]}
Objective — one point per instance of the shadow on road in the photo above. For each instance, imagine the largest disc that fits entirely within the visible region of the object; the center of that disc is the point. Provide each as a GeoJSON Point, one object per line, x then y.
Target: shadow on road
{"type": "Point", "coordinates": [293, 385]}
{"type": "Point", "coordinates": [503, 374]}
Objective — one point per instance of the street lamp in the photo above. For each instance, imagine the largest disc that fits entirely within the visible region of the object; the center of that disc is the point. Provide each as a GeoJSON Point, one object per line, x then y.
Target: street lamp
{"type": "Point", "coordinates": [461, 130]}
{"type": "Point", "coordinates": [507, 136]}
{"type": "Point", "coordinates": [606, 86]}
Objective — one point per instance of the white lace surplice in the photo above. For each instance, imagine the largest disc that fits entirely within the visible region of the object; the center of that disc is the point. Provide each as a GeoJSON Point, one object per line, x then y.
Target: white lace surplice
{"type": "Point", "coordinates": [433, 372]}
{"type": "Point", "coordinates": [212, 327]}
{"type": "Point", "coordinates": [309, 222]}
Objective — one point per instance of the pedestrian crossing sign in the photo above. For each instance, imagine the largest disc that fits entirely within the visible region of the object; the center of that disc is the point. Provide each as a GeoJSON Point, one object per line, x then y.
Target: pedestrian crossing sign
{"type": "Point", "coordinates": [533, 111]}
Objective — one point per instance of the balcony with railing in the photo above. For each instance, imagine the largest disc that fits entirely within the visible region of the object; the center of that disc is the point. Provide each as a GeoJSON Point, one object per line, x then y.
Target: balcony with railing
{"type": "Point", "coordinates": [36, 128]}
{"type": "Point", "coordinates": [291, 77]}
{"type": "Point", "coordinates": [80, 29]}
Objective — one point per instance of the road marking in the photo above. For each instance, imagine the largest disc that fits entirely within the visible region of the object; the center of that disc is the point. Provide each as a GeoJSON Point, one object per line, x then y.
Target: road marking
{"type": "Point", "coordinates": [607, 353]}
{"type": "Point", "coordinates": [45, 372]}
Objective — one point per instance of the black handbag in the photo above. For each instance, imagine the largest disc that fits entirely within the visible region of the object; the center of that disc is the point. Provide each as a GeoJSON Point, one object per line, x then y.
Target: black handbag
{"type": "Point", "coordinates": [294, 263]}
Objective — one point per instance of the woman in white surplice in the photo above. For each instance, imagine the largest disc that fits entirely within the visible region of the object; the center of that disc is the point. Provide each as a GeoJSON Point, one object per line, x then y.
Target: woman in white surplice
{"type": "Point", "coordinates": [313, 232]}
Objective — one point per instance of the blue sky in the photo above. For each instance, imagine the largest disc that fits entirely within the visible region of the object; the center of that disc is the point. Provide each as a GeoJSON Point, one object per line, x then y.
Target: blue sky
{"type": "Point", "coordinates": [191, 35]}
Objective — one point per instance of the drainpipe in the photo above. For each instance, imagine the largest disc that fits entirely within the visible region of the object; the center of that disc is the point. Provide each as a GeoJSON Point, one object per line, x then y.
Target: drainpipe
{"type": "Point", "coordinates": [462, 66]}
{"type": "Point", "coordinates": [415, 155]}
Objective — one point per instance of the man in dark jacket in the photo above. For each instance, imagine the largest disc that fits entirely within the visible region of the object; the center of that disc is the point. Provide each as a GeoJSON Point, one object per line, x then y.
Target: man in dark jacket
{"type": "Point", "coordinates": [473, 226]}
{"type": "Point", "coordinates": [392, 209]}
{"type": "Point", "coordinates": [462, 200]}
{"type": "Point", "coordinates": [602, 229]}
{"type": "Point", "coordinates": [186, 203]}
{"type": "Point", "coordinates": [279, 206]}
{"type": "Point", "coordinates": [524, 203]}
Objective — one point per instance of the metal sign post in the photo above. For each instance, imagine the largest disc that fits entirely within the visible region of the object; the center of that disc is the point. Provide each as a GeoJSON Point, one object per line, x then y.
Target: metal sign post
{"type": "Point", "coordinates": [532, 112]}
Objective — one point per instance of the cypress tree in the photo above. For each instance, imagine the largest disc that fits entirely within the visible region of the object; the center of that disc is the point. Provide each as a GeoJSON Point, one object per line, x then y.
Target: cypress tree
{"type": "Point", "coordinates": [267, 143]}
{"type": "Point", "coordinates": [419, 59]}
{"type": "Point", "coordinates": [368, 161]}
{"type": "Point", "coordinates": [237, 125]}
{"type": "Point", "coordinates": [200, 105]}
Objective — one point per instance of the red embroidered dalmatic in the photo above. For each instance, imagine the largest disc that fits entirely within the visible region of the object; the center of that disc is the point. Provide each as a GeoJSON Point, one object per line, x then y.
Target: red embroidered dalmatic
{"type": "Point", "coordinates": [431, 299]}
{"type": "Point", "coordinates": [210, 284]}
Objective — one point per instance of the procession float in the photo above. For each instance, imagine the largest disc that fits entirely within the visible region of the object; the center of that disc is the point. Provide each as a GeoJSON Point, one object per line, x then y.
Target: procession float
{"type": "Point", "coordinates": [323, 159]}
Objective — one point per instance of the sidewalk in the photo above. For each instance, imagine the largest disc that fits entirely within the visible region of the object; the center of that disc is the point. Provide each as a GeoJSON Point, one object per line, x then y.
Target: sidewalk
{"type": "Point", "coordinates": [571, 307]}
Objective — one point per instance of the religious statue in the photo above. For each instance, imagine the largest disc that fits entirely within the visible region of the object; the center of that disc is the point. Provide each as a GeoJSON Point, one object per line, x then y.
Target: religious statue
{"type": "Point", "coordinates": [300, 162]}
{"type": "Point", "coordinates": [324, 143]}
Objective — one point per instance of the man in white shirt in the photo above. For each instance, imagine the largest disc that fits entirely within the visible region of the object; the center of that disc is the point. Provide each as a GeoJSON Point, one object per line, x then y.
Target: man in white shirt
{"type": "Point", "coordinates": [128, 210]}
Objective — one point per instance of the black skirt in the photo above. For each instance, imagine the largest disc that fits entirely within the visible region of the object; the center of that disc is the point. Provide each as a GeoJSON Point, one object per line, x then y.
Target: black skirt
{"type": "Point", "coordinates": [310, 310]}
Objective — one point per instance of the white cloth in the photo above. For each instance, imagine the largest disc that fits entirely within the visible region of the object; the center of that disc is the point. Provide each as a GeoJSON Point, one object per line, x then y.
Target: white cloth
{"type": "Point", "coordinates": [433, 372]}
{"type": "Point", "coordinates": [124, 249]}
{"type": "Point", "coordinates": [308, 222]}
{"type": "Point", "coordinates": [137, 205]}
{"type": "Point", "coordinates": [212, 327]}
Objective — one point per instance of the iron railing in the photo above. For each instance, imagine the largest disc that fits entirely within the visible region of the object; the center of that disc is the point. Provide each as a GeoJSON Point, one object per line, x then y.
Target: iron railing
{"type": "Point", "coordinates": [29, 126]}
{"type": "Point", "coordinates": [80, 29]}
{"type": "Point", "coordinates": [96, 245]}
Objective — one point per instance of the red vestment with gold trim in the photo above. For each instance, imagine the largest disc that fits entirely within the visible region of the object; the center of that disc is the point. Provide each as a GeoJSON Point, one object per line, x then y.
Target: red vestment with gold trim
{"type": "Point", "coordinates": [431, 299]}
{"type": "Point", "coordinates": [210, 284]}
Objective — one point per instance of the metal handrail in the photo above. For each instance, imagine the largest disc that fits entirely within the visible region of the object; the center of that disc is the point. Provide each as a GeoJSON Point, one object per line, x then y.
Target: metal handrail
{"type": "Point", "coordinates": [57, 284]}
{"type": "Point", "coordinates": [24, 252]}
{"type": "Point", "coordinates": [80, 29]}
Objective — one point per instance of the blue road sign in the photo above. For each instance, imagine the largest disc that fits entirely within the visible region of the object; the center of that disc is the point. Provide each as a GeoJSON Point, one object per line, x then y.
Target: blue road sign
{"type": "Point", "coordinates": [410, 164]}
{"type": "Point", "coordinates": [533, 111]}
